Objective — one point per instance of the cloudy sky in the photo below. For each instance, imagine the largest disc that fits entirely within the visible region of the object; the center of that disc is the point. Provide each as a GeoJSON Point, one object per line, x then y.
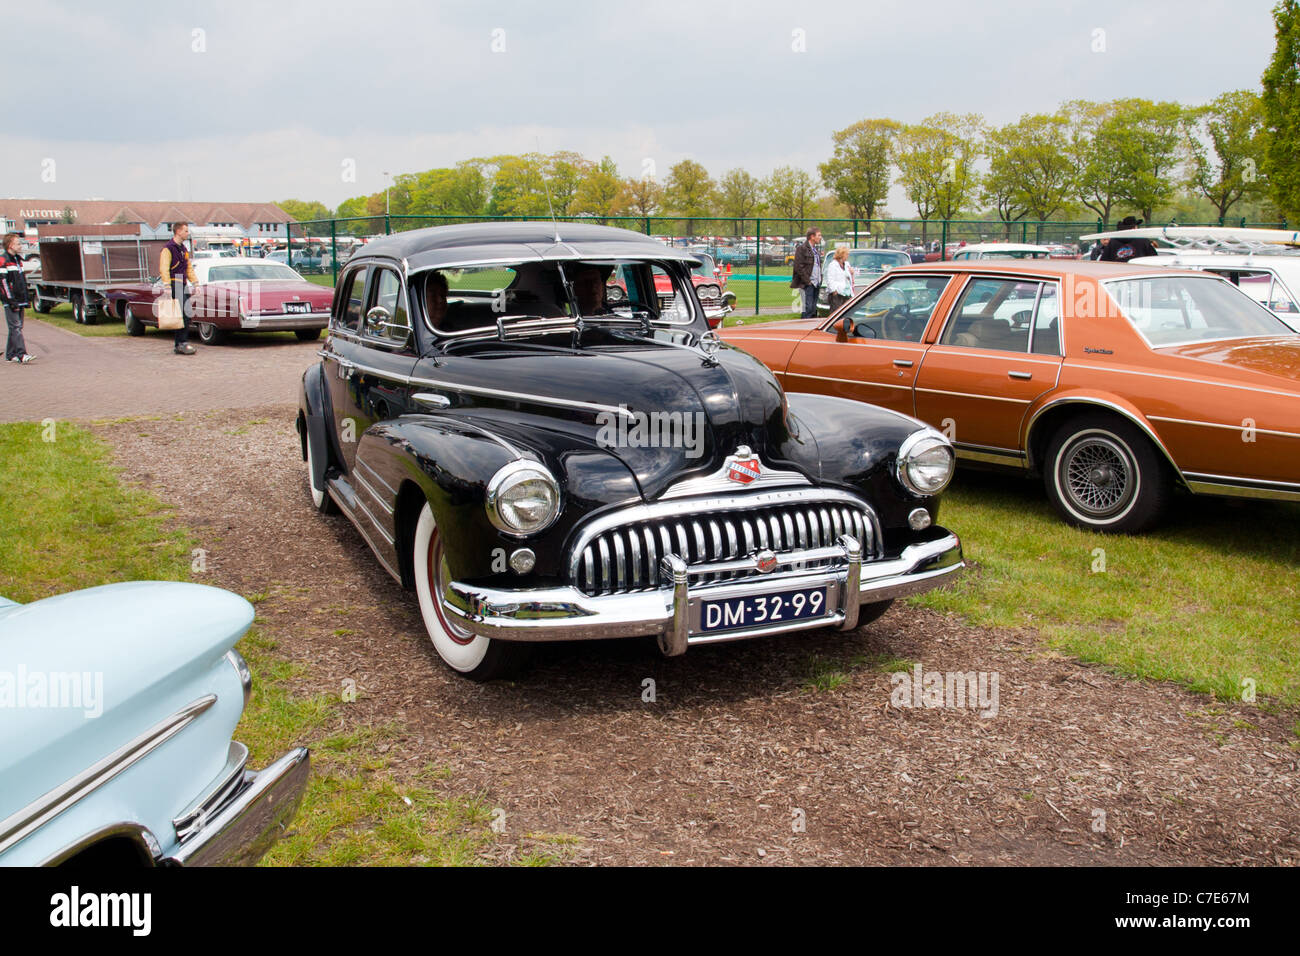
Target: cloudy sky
{"type": "Point", "coordinates": [316, 100]}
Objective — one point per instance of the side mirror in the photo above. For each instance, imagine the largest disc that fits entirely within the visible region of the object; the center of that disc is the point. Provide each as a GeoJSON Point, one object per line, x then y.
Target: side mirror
{"type": "Point", "coordinates": [377, 320]}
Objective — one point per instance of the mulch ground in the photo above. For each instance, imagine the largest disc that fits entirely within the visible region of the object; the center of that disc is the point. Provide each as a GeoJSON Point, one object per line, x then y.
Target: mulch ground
{"type": "Point", "coordinates": [739, 758]}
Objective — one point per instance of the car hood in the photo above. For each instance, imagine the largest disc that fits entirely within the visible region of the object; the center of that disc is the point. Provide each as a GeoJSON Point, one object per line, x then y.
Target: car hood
{"type": "Point", "coordinates": [664, 412]}
{"type": "Point", "coordinates": [1276, 357]}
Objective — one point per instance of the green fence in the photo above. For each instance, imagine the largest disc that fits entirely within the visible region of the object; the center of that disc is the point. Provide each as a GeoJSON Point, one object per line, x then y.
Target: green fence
{"type": "Point", "coordinates": [755, 251]}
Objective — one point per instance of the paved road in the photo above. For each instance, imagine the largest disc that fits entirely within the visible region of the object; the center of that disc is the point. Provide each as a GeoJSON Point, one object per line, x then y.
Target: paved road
{"type": "Point", "coordinates": [91, 378]}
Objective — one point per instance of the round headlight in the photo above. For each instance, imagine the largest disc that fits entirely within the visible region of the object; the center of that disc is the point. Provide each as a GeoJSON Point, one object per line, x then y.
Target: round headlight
{"type": "Point", "coordinates": [925, 462]}
{"type": "Point", "coordinates": [522, 498]}
{"type": "Point", "coordinates": [707, 291]}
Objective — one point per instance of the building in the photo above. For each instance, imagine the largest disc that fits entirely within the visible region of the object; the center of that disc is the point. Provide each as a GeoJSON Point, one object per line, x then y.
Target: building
{"type": "Point", "coordinates": [255, 220]}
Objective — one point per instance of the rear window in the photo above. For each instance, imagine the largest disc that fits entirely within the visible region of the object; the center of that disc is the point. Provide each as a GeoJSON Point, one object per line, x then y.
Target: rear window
{"type": "Point", "coordinates": [1176, 310]}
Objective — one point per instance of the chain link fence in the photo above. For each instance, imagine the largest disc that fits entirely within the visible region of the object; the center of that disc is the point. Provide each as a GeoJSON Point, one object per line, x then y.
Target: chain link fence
{"type": "Point", "coordinates": [753, 256]}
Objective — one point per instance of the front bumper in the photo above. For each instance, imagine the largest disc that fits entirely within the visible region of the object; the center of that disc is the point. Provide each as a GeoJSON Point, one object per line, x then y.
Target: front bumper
{"type": "Point", "coordinates": [239, 820]}
{"type": "Point", "coordinates": [672, 614]}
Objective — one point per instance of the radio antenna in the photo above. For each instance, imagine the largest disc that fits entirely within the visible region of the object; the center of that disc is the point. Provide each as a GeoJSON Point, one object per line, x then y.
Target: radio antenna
{"type": "Point", "coordinates": [547, 188]}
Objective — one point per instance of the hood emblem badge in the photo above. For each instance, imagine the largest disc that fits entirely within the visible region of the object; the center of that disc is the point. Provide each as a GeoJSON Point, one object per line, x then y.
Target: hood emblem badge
{"type": "Point", "coordinates": [765, 561]}
{"type": "Point", "coordinates": [743, 466]}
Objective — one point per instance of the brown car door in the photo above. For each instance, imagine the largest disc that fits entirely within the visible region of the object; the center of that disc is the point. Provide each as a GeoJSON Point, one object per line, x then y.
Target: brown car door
{"type": "Point", "coordinates": [877, 360]}
{"type": "Point", "coordinates": [998, 351]}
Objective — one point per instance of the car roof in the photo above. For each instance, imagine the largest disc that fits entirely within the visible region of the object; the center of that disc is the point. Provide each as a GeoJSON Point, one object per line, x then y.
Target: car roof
{"type": "Point", "coordinates": [440, 246]}
{"type": "Point", "coordinates": [1225, 259]}
{"type": "Point", "coordinates": [1050, 267]}
{"type": "Point", "coordinates": [1003, 247]}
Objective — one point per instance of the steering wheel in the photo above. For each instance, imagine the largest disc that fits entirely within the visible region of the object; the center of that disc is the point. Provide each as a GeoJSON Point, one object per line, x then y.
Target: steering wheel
{"type": "Point", "coordinates": [894, 322]}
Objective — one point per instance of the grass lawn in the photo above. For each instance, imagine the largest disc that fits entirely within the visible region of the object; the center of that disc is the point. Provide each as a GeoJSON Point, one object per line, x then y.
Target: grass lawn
{"type": "Point", "coordinates": [68, 523]}
{"type": "Point", "coordinates": [61, 315]}
{"type": "Point", "coordinates": [1209, 599]}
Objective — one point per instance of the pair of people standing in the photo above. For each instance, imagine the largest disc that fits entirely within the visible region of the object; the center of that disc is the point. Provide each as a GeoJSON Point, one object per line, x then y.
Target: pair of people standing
{"type": "Point", "coordinates": [809, 274]}
{"type": "Point", "coordinates": [176, 269]}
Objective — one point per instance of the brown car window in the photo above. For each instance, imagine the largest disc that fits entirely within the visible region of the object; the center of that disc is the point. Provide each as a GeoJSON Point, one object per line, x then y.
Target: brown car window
{"type": "Point", "coordinates": [897, 311]}
{"type": "Point", "coordinates": [1047, 324]}
{"type": "Point", "coordinates": [993, 314]}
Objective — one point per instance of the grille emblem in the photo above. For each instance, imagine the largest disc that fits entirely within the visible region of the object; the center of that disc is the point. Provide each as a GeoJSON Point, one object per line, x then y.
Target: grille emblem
{"type": "Point", "coordinates": [743, 466]}
{"type": "Point", "coordinates": [765, 561]}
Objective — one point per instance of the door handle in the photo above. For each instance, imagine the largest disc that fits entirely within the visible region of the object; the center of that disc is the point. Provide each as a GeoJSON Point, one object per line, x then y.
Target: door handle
{"type": "Point", "coordinates": [903, 363]}
{"type": "Point", "coordinates": [1021, 375]}
{"type": "Point", "coordinates": [346, 368]}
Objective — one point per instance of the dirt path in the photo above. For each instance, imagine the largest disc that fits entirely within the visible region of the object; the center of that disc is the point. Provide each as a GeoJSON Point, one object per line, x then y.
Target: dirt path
{"type": "Point", "coordinates": [740, 747]}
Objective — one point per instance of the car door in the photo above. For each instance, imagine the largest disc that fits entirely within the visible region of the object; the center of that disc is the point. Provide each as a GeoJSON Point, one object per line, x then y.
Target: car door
{"type": "Point", "coordinates": [877, 360]}
{"type": "Point", "coordinates": [340, 355]}
{"type": "Point", "coordinates": [999, 350]}
{"type": "Point", "coordinates": [376, 362]}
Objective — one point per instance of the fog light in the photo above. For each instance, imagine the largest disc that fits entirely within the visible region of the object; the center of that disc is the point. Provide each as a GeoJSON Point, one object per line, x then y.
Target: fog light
{"type": "Point", "coordinates": [918, 520]}
{"type": "Point", "coordinates": [522, 561]}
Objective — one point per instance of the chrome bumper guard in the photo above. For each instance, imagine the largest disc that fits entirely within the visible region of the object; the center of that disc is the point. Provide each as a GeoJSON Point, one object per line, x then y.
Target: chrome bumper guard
{"type": "Point", "coordinates": [244, 815]}
{"type": "Point", "coordinates": [672, 614]}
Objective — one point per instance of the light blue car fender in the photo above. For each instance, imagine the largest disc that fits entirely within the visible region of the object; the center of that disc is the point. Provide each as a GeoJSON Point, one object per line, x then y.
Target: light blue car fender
{"type": "Point", "coordinates": [117, 707]}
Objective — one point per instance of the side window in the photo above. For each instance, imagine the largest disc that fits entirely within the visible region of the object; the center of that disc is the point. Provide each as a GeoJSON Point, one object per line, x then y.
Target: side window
{"type": "Point", "coordinates": [393, 324]}
{"type": "Point", "coordinates": [348, 300]}
{"type": "Point", "coordinates": [1047, 325]}
{"type": "Point", "coordinates": [1280, 299]}
{"type": "Point", "coordinates": [899, 310]}
{"type": "Point", "coordinates": [993, 314]}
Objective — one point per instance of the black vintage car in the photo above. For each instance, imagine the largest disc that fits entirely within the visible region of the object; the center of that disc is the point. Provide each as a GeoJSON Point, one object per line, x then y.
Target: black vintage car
{"type": "Point", "coordinates": [539, 464]}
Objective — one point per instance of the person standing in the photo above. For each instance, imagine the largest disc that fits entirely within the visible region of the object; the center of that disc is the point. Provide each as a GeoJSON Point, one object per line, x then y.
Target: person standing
{"type": "Point", "coordinates": [808, 271]}
{"type": "Point", "coordinates": [13, 290]}
{"type": "Point", "coordinates": [839, 278]}
{"type": "Point", "coordinates": [1123, 248]}
{"type": "Point", "coordinates": [177, 270]}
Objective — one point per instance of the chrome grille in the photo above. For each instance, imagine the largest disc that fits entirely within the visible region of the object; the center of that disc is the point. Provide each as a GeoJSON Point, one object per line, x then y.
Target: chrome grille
{"type": "Point", "coordinates": [626, 557]}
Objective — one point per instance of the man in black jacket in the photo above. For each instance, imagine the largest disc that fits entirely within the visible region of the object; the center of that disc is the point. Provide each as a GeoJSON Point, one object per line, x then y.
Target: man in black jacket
{"type": "Point", "coordinates": [1120, 249]}
{"type": "Point", "coordinates": [13, 290]}
{"type": "Point", "coordinates": [808, 271]}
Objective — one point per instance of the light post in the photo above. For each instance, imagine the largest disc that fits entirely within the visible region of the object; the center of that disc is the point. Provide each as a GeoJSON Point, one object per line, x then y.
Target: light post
{"type": "Point", "coordinates": [387, 183]}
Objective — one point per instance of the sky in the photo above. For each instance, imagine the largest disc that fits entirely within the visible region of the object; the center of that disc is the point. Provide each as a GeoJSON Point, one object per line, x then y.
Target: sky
{"type": "Point", "coordinates": [245, 101]}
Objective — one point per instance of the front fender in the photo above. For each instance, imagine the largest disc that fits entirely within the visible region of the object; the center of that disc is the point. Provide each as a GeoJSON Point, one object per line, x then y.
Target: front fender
{"type": "Point", "coordinates": [313, 425]}
{"type": "Point", "coordinates": [855, 445]}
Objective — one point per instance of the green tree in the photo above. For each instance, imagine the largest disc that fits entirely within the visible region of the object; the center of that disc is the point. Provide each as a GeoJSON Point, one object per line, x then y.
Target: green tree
{"type": "Point", "coordinates": [1149, 141]}
{"type": "Point", "coordinates": [565, 172]}
{"type": "Point", "coordinates": [688, 190]}
{"type": "Point", "coordinates": [1281, 101]}
{"type": "Point", "coordinates": [517, 187]}
{"type": "Point", "coordinates": [740, 195]}
{"type": "Point", "coordinates": [600, 191]}
{"type": "Point", "coordinates": [305, 210]}
{"type": "Point", "coordinates": [790, 192]}
{"type": "Point", "coordinates": [858, 172]}
{"type": "Point", "coordinates": [644, 196]}
{"type": "Point", "coordinates": [1030, 161]}
{"type": "Point", "coordinates": [1225, 142]}
{"type": "Point", "coordinates": [1098, 168]}
{"type": "Point", "coordinates": [936, 163]}
{"type": "Point", "coordinates": [69, 217]}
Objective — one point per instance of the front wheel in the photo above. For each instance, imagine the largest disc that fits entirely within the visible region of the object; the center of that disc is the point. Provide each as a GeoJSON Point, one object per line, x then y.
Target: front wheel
{"type": "Point", "coordinates": [1103, 474]}
{"type": "Point", "coordinates": [320, 498]}
{"type": "Point", "coordinates": [472, 655]}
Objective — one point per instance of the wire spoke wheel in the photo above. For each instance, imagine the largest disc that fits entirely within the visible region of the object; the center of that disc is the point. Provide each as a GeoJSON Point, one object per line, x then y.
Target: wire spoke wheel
{"type": "Point", "coordinates": [1099, 476]}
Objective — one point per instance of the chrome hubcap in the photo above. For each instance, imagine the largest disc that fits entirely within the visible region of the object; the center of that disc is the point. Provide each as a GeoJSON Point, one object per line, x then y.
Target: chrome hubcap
{"type": "Point", "coordinates": [1098, 476]}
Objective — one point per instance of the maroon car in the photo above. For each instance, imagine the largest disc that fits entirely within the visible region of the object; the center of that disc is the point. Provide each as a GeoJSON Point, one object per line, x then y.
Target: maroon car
{"type": "Point", "coordinates": [232, 295]}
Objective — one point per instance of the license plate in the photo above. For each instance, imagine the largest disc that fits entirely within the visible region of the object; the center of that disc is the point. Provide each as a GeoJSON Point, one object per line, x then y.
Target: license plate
{"type": "Point", "coordinates": [297, 307]}
{"type": "Point", "coordinates": [761, 610]}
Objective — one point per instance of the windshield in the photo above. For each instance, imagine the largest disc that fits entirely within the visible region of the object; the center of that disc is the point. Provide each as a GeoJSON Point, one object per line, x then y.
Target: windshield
{"type": "Point", "coordinates": [705, 268]}
{"type": "Point", "coordinates": [252, 270]}
{"type": "Point", "coordinates": [877, 261]}
{"type": "Point", "coordinates": [471, 299]}
{"type": "Point", "coordinates": [1176, 310]}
